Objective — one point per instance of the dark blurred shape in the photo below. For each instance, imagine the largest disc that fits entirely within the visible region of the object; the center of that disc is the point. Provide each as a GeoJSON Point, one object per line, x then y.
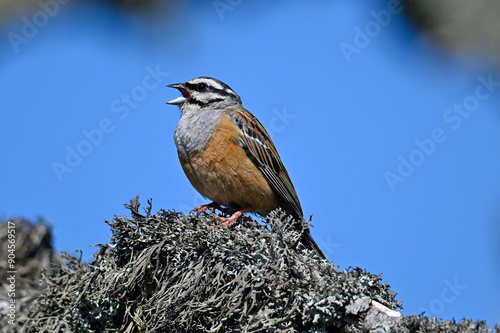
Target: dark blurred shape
{"type": "Point", "coordinates": [33, 249]}
{"type": "Point", "coordinates": [29, 248]}
{"type": "Point", "coordinates": [134, 4]}
{"type": "Point", "coordinates": [13, 9]}
{"type": "Point", "coordinates": [10, 9]}
{"type": "Point", "coordinates": [469, 28]}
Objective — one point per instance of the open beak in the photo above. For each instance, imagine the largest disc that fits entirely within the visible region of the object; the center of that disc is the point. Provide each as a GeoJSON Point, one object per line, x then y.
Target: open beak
{"type": "Point", "coordinates": [182, 89]}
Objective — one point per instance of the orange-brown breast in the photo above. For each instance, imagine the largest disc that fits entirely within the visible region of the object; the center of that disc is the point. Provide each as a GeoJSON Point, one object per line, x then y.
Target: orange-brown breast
{"type": "Point", "coordinates": [223, 172]}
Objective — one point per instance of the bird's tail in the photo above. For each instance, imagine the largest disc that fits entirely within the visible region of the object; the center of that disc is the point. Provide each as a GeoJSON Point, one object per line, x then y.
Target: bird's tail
{"type": "Point", "coordinates": [308, 241]}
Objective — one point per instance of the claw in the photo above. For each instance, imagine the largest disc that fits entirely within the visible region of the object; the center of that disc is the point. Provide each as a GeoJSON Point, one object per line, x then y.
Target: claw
{"type": "Point", "coordinates": [237, 216]}
{"type": "Point", "coordinates": [201, 209]}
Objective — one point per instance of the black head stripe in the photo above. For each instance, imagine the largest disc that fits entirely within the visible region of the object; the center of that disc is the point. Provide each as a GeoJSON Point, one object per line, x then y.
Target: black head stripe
{"type": "Point", "coordinates": [203, 104]}
{"type": "Point", "coordinates": [215, 91]}
{"type": "Point", "coordinates": [222, 92]}
{"type": "Point", "coordinates": [195, 101]}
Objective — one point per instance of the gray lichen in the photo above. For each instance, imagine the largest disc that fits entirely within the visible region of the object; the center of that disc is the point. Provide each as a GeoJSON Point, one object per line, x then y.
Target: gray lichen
{"type": "Point", "coordinates": [169, 272]}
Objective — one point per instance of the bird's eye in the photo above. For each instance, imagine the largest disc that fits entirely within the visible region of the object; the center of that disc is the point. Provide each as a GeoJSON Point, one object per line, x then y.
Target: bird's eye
{"type": "Point", "coordinates": [201, 86]}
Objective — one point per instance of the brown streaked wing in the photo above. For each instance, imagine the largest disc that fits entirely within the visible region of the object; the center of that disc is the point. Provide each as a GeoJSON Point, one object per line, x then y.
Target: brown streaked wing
{"type": "Point", "coordinates": [261, 150]}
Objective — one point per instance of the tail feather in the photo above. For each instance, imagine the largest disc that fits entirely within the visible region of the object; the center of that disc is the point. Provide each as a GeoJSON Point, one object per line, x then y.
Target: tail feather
{"type": "Point", "coordinates": [309, 241]}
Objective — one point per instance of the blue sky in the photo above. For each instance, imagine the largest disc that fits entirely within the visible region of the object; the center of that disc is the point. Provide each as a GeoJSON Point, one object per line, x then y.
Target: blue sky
{"type": "Point", "coordinates": [347, 110]}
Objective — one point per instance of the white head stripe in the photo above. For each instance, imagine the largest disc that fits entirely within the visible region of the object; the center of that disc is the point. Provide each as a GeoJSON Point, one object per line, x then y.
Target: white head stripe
{"type": "Point", "coordinates": [210, 82]}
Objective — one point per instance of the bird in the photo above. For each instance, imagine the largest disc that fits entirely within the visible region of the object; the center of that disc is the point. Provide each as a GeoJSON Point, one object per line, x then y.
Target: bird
{"type": "Point", "coordinates": [229, 157]}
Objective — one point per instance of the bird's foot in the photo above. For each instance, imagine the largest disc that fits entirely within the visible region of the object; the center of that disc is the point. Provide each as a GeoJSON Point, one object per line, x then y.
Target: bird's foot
{"type": "Point", "coordinates": [236, 217]}
{"type": "Point", "coordinates": [201, 209]}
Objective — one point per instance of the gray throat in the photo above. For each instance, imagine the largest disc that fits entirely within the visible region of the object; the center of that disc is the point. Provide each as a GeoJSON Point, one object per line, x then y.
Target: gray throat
{"type": "Point", "coordinates": [195, 129]}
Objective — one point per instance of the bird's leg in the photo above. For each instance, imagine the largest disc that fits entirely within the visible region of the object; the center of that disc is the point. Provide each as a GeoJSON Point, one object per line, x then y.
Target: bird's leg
{"type": "Point", "coordinates": [237, 216]}
{"type": "Point", "coordinates": [201, 209]}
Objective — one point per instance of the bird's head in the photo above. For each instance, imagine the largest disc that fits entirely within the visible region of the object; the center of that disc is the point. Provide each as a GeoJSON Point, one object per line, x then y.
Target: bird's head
{"type": "Point", "coordinates": [204, 92]}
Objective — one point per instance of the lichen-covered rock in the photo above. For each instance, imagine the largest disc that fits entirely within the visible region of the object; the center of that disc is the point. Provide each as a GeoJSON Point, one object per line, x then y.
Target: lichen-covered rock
{"type": "Point", "coordinates": [174, 273]}
{"type": "Point", "coordinates": [169, 272]}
